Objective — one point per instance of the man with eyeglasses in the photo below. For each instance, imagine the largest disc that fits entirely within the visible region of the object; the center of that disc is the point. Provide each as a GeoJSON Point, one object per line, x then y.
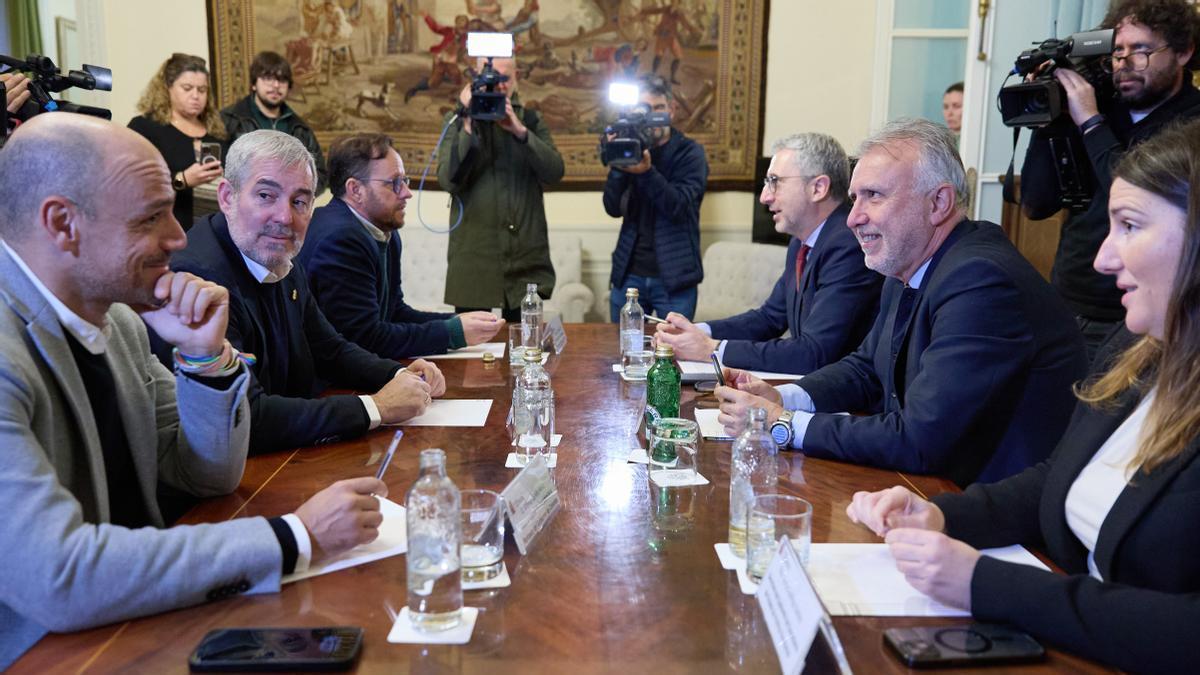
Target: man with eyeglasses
{"type": "Point", "coordinates": [266, 203]}
{"type": "Point", "coordinates": [658, 199]}
{"type": "Point", "coordinates": [826, 298]}
{"type": "Point", "coordinates": [266, 108]}
{"type": "Point", "coordinates": [1154, 48]}
{"type": "Point", "coordinates": [352, 257]}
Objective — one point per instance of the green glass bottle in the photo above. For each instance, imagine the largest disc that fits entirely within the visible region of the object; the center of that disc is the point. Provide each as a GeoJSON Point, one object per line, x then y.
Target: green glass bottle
{"type": "Point", "coordinates": [662, 397]}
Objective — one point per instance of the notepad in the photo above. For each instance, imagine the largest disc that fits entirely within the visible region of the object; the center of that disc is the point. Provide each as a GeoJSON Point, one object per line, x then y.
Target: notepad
{"type": "Point", "coordinates": [392, 540]}
{"type": "Point", "coordinates": [710, 428]}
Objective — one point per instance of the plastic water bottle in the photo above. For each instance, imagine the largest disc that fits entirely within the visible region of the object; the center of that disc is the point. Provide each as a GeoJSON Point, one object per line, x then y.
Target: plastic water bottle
{"type": "Point", "coordinates": [753, 472]}
{"type": "Point", "coordinates": [533, 408]}
{"type": "Point", "coordinates": [632, 326]}
{"type": "Point", "coordinates": [531, 317]}
{"type": "Point", "coordinates": [435, 596]}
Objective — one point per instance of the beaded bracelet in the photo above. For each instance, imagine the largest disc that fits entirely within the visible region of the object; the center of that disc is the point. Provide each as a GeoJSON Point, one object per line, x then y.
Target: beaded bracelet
{"type": "Point", "coordinates": [221, 364]}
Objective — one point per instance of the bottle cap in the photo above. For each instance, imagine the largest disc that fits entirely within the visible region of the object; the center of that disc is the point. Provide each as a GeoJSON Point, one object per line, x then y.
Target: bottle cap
{"type": "Point", "coordinates": [533, 354]}
{"type": "Point", "coordinates": [631, 292]}
{"type": "Point", "coordinates": [663, 350]}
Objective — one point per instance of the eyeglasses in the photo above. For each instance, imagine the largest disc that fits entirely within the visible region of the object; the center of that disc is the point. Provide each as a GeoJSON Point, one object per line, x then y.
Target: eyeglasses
{"type": "Point", "coordinates": [771, 181]}
{"type": "Point", "coordinates": [398, 183]}
{"type": "Point", "coordinates": [1137, 61]}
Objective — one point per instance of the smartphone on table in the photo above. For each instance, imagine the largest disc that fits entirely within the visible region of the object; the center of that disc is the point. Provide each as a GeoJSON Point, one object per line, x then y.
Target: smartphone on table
{"type": "Point", "coordinates": [968, 645]}
{"type": "Point", "coordinates": [277, 649]}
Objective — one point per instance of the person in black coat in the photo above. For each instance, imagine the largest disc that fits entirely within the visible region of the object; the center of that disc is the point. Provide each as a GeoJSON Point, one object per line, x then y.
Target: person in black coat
{"type": "Point", "coordinates": [178, 115]}
{"type": "Point", "coordinates": [970, 363]}
{"type": "Point", "coordinates": [826, 299]}
{"type": "Point", "coordinates": [352, 258]}
{"type": "Point", "coordinates": [273, 317]}
{"type": "Point", "coordinates": [1116, 505]}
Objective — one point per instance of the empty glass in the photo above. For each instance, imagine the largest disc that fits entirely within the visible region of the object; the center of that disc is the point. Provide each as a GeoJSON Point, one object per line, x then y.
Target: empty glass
{"type": "Point", "coordinates": [770, 517]}
{"type": "Point", "coordinates": [482, 535]}
{"type": "Point", "coordinates": [672, 450]}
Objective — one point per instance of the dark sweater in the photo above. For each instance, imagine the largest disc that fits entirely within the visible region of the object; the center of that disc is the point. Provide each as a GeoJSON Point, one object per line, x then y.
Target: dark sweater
{"type": "Point", "coordinates": [179, 151]}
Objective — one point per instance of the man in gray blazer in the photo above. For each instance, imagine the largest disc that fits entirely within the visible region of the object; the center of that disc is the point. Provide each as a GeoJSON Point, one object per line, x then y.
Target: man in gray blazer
{"type": "Point", "coordinates": [91, 422]}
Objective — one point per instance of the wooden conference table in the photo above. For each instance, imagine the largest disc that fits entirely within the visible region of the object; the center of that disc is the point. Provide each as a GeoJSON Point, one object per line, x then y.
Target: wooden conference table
{"type": "Point", "coordinates": [624, 579]}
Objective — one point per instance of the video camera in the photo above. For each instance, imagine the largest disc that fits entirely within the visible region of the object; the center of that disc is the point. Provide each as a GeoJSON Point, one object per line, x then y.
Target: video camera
{"type": "Point", "coordinates": [1043, 100]}
{"type": "Point", "coordinates": [46, 79]}
{"type": "Point", "coordinates": [487, 103]}
{"type": "Point", "coordinates": [633, 130]}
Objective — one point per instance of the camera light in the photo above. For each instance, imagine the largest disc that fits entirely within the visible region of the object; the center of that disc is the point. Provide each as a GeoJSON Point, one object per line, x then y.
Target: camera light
{"type": "Point", "coordinates": [484, 45]}
{"type": "Point", "coordinates": [623, 93]}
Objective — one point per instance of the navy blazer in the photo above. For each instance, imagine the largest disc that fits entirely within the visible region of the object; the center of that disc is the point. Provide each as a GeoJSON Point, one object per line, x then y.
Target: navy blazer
{"type": "Point", "coordinates": [673, 188]}
{"type": "Point", "coordinates": [833, 312]}
{"type": "Point", "coordinates": [1143, 616]}
{"type": "Point", "coordinates": [981, 385]}
{"type": "Point", "coordinates": [351, 273]}
{"type": "Point", "coordinates": [284, 414]}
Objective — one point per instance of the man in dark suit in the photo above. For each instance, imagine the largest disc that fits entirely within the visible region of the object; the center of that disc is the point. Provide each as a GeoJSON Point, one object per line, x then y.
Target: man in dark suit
{"type": "Point", "coordinates": [826, 299]}
{"type": "Point", "coordinates": [266, 201]}
{"type": "Point", "coordinates": [352, 257]}
{"type": "Point", "coordinates": [972, 357]}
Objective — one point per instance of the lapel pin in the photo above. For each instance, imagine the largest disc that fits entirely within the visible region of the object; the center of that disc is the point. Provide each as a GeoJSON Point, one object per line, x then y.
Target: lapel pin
{"type": "Point", "coordinates": [293, 295]}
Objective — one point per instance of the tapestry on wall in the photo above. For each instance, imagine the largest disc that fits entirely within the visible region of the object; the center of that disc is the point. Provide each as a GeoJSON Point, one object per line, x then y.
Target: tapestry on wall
{"type": "Point", "coordinates": [397, 66]}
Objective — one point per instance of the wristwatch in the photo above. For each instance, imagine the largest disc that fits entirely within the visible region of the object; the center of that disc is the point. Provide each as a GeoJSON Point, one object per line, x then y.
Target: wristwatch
{"type": "Point", "coordinates": [781, 429]}
{"type": "Point", "coordinates": [178, 182]}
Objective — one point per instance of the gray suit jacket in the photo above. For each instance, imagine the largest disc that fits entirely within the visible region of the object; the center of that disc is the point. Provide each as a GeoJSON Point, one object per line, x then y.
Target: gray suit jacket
{"type": "Point", "coordinates": [66, 568]}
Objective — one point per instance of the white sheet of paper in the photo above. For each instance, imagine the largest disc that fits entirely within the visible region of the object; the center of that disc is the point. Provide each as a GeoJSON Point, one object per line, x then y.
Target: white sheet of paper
{"type": "Point", "coordinates": [392, 540]}
{"type": "Point", "coordinates": [403, 632]}
{"type": "Point", "coordinates": [710, 428]}
{"type": "Point", "coordinates": [790, 607]}
{"type": "Point", "coordinates": [456, 412]}
{"type": "Point", "coordinates": [496, 349]}
{"type": "Point", "coordinates": [862, 580]}
{"type": "Point", "coordinates": [695, 371]}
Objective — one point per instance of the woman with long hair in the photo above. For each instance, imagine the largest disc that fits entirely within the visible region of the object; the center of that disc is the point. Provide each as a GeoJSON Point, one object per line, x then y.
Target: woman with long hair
{"type": "Point", "coordinates": [178, 116]}
{"type": "Point", "coordinates": [1117, 504]}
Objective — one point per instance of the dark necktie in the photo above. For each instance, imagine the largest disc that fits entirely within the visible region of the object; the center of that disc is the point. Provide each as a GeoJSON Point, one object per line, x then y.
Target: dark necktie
{"type": "Point", "coordinates": [904, 309]}
{"type": "Point", "coordinates": [801, 257]}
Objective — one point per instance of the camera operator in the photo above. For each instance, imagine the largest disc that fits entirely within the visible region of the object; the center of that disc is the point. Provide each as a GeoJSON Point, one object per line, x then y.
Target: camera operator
{"type": "Point", "coordinates": [1153, 47]}
{"type": "Point", "coordinates": [658, 250]}
{"type": "Point", "coordinates": [498, 170]}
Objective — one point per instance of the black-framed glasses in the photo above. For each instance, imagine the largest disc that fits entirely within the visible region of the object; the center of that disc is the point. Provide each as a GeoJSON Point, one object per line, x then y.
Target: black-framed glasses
{"type": "Point", "coordinates": [771, 181]}
{"type": "Point", "coordinates": [1137, 61]}
{"type": "Point", "coordinates": [398, 183]}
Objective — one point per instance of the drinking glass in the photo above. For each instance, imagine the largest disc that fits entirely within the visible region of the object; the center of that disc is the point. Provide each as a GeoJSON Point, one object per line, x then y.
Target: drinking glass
{"type": "Point", "coordinates": [636, 364]}
{"type": "Point", "coordinates": [672, 450]}
{"type": "Point", "coordinates": [769, 518]}
{"type": "Point", "coordinates": [516, 348]}
{"type": "Point", "coordinates": [482, 535]}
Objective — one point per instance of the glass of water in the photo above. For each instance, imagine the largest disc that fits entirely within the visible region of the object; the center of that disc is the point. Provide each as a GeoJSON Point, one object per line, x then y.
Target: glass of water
{"type": "Point", "coordinates": [769, 518]}
{"type": "Point", "coordinates": [482, 535]}
{"type": "Point", "coordinates": [637, 364]}
{"type": "Point", "coordinates": [516, 348]}
{"type": "Point", "coordinates": [672, 450]}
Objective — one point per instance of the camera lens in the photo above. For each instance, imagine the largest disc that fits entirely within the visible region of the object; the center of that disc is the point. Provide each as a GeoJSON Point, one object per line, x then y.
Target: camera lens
{"type": "Point", "coordinates": [1038, 102]}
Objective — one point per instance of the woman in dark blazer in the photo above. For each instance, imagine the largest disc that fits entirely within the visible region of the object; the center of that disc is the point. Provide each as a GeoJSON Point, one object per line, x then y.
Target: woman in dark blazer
{"type": "Point", "coordinates": [1117, 506]}
{"type": "Point", "coordinates": [178, 114]}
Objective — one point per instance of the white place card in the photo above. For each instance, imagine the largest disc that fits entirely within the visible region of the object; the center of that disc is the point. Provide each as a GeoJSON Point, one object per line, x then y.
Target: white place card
{"type": "Point", "coordinates": [403, 631]}
{"type": "Point", "coordinates": [556, 335]}
{"type": "Point", "coordinates": [530, 500]}
{"type": "Point", "coordinates": [791, 608]}
{"type": "Point", "coordinates": [515, 461]}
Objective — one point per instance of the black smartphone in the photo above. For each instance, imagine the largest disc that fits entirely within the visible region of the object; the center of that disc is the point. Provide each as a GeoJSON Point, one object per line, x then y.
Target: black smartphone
{"type": "Point", "coordinates": [962, 645]}
{"type": "Point", "coordinates": [277, 649]}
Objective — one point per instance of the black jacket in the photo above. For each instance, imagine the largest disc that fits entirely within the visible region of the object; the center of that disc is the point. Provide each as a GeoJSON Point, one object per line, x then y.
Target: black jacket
{"type": "Point", "coordinates": [356, 281]}
{"type": "Point", "coordinates": [283, 408]}
{"type": "Point", "coordinates": [673, 189]}
{"type": "Point", "coordinates": [980, 387]}
{"type": "Point", "coordinates": [239, 119]}
{"type": "Point", "coordinates": [1088, 292]}
{"type": "Point", "coordinates": [1144, 615]}
{"type": "Point", "coordinates": [827, 319]}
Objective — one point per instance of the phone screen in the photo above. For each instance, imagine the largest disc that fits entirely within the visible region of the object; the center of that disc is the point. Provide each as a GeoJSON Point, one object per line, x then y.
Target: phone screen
{"type": "Point", "coordinates": [277, 648]}
{"type": "Point", "coordinates": [965, 645]}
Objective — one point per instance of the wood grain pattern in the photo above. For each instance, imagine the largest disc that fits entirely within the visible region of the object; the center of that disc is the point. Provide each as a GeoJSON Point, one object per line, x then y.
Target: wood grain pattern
{"type": "Point", "coordinates": [624, 579]}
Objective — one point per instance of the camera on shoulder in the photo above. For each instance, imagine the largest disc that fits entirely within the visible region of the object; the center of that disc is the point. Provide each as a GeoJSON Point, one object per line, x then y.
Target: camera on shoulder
{"type": "Point", "coordinates": [633, 129]}
{"type": "Point", "coordinates": [1043, 100]}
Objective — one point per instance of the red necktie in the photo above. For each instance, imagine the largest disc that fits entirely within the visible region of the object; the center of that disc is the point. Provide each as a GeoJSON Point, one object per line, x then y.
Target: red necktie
{"type": "Point", "coordinates": [801, 256]}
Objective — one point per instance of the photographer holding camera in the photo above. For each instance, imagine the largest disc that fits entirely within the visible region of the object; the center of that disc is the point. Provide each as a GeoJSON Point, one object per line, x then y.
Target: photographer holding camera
{"type": "Point", "coordinates": [1153, 47]}
{"type": "Point", "coordinates": [658, 250]}
{"type": "Point", "coordinates": [498, 167]}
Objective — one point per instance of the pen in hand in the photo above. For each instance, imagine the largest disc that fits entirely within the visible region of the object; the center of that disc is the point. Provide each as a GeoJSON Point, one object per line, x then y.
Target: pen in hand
{"type": "Point", "coordinates": [391, 451]}
{"type": "Point", "coordinates": [655, 319]}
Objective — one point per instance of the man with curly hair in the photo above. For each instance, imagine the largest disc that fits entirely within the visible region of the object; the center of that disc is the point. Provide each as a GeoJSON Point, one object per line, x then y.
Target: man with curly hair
{"type": "Point", "coordinates": [1153, 53]}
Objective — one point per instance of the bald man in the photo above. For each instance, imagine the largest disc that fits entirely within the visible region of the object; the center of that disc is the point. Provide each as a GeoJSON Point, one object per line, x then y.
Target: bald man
{"type": "Point", "coordinates": [91, 422]}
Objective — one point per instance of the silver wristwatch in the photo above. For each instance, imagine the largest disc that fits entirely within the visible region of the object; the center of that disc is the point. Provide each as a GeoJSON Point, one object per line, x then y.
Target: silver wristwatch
{"type": "Point", "coordinates": [781, 429]}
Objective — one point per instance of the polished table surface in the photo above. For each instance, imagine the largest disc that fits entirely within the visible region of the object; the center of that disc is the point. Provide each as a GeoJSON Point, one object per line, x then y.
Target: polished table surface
{"type": "Point", "coordinates": [624, 579]}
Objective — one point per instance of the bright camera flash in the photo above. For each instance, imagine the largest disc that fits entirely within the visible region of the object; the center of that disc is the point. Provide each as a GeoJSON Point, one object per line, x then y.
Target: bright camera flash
{"type": "Point", "coordinates": [482, 45]}
{"type": "Point", "coordinates": [623, 93]}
